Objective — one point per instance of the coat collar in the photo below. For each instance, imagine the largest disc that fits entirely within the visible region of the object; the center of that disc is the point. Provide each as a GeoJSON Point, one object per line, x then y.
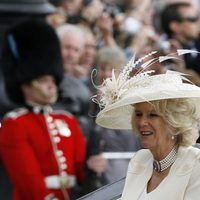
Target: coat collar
{"type": "Point", "coordinates": [39, 109]}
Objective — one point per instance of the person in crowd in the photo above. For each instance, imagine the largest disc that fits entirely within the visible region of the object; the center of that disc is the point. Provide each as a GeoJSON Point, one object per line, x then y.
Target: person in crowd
{"type": "Point", "coordinates": [72, 44]}
{"type": "Point", "coordinates": [71, 9]}
{"type": "Point", "coordinates": [137, 15]}
{"type": "Point", "coordinates": [43, 150]}
{"type": "Point", "coordinates": [164, 111]}
{"type": "Point", "coordinates": [102, 20]}
{"type": "Point", "coordinates": [74, 95]}
{"type": "Point", "coordinates": [88, 56]}
{"type": "Point", "coordinates": [104, 170]}
{"type": "Point", "coordinates": [91, 11]}
{"type": "Point", "coordinates": [180, 22]}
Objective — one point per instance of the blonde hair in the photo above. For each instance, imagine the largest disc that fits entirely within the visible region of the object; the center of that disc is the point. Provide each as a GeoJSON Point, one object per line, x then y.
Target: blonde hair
{"type": "Point", "coordinates": [182, 118]}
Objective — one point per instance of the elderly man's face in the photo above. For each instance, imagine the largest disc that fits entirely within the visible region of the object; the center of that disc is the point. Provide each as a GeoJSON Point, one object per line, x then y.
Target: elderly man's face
{"type": "Point", "coordinates": [72, 47]}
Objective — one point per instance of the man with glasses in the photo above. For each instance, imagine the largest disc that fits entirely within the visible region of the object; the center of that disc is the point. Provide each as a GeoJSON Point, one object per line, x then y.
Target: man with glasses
{"type": "Point", "coordinates": [180, 21]}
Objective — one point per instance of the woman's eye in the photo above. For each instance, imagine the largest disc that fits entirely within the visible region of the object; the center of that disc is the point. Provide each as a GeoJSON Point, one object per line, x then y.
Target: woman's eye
{"type": "Point", "coordinates": [153, 115]}
{"type": "Point", "coordinates": [138, 114]}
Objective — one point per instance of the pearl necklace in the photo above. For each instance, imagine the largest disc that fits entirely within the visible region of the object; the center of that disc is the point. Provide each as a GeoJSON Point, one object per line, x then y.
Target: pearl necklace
{"type": "Point", "coordinates": [162, 165]}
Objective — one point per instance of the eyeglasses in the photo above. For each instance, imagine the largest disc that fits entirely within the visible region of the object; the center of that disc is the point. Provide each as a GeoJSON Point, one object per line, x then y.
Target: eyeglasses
{"type": "Point", "coordinates": [189, 19]}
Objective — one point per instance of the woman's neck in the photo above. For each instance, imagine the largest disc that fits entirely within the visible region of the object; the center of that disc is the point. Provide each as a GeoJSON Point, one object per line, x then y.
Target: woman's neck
{"type": "Point", "coordinates": [166, 162]}
{"type": "Point", "coordinates": [162, 152]}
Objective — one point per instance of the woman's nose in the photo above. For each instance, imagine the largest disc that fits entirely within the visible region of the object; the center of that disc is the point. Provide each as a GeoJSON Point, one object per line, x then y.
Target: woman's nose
{"type": "Point", "coordinates": [143, 121]}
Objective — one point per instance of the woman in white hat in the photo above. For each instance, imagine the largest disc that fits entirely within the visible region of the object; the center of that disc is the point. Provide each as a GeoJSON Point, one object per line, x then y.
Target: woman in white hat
{"type": "Point", "coordinates": [164, 111]}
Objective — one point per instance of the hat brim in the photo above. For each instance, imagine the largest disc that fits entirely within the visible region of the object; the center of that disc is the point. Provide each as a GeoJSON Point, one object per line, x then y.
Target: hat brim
{"type": "Point", "coordinates": [119, 114]}
{"type": "Point", "coordinates": [30, 8]}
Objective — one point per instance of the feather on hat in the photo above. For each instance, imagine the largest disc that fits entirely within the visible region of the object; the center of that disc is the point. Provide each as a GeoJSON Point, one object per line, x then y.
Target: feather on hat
{"type": "Point", "coordinates": [117, 95]}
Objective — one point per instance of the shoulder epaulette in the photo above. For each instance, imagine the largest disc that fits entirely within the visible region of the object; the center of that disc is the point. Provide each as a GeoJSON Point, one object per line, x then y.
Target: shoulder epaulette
{"type": "Point", "coordinates": [16, 113]}
{"type": "Point", "coordinates": [63, 112]}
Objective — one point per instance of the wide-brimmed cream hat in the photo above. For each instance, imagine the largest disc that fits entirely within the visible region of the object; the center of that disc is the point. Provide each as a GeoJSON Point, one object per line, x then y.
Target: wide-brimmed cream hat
{"type": "Point", "coordinates": [118, 95]}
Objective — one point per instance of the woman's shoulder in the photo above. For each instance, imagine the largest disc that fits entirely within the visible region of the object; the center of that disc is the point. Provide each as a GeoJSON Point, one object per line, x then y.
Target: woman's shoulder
{"type": "Point", "coordinates": [140, 160]}
{"type": "Point", "coordinates": [190, 152]}
{"type": "Point", "coordinates": [142, 155]}
{"type": "Point", "coordinates": [190, 164]}
{"type": "Point", "coordinates": [189, 157]}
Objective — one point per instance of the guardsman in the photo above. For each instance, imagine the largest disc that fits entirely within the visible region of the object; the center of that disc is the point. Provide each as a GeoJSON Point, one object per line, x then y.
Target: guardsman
{"type": "Point", "coordinates": [43, 150]}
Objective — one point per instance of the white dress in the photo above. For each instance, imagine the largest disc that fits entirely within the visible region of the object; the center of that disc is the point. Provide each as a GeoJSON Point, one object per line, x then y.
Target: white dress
{"type": "Point", "coordinates": [182, 182]}
{"type": "Point", "coordinates": [146, 196]}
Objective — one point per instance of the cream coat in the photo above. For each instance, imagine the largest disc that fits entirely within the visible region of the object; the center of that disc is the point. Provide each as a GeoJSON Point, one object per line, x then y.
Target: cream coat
{"type": "Point", "coordinates": [182, 182]}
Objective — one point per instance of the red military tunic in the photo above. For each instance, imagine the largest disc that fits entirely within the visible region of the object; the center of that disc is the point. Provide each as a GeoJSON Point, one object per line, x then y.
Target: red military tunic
{"type": "Point", "coordinates": [34, 147]}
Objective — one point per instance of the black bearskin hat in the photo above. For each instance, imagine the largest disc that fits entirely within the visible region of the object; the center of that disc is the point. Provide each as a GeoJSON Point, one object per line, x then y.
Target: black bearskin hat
{"type": "Point", "coordinates": [31, 49]}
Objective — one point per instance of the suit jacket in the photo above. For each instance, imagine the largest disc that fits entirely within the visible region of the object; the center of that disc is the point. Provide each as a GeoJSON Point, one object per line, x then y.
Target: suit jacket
{"type": "Point", "coordinates": [35, 145]}
{"type": "Point", "coordinates": [193, 62]}
{"type": "Point", "coordinates": [182, 182]}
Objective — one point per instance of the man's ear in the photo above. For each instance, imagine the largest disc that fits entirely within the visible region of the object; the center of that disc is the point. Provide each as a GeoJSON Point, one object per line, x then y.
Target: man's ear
{"type": "Point", "coordinates": [25, 88]}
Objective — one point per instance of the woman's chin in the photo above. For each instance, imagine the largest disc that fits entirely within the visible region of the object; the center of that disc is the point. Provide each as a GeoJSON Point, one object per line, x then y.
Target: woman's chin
{"type": "Point", "coordinates": [146, 142]}
{"type": "Point", "coordinates": [146, 145]}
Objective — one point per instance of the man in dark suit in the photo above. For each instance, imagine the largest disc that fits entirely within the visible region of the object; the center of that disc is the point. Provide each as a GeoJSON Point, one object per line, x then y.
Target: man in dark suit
{"type": "Point", "coordinates": [180, 22]}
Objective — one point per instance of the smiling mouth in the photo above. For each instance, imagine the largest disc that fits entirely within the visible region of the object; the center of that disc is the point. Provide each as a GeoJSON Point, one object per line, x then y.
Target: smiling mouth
{"type": "Point", "coordinates": [146, 133]}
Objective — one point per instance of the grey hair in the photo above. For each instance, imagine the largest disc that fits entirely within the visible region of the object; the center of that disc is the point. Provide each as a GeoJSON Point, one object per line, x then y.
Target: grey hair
{"type": "Point", "coordinates": [112, 55]}
{"type": "Point", "coordinates": [76, 31]}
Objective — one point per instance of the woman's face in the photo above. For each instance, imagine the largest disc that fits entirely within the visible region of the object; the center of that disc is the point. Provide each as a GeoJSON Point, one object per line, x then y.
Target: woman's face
{"type": "Point", "coordinates": [152, 128]}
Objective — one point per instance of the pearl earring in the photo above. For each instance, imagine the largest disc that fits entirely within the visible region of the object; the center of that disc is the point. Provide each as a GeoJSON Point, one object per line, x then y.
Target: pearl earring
{"type": "Point", "coordinates": [173, 137]}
